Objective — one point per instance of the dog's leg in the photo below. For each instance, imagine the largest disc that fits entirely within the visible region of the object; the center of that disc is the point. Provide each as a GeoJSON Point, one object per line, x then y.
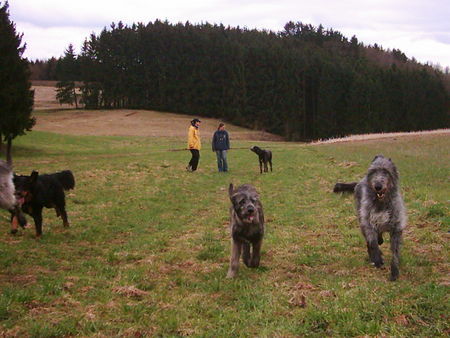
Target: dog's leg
{"type": "Point", "coordinates": [372, 245]}
{"type": "Point", "coordinates": [14, 222]}
{"type": "Point", "coordinates": [246, 253]}
{"type": "Point", "coordinates": [375, 253]}
{"type": "Point", "coordinates": [396, 238]}
{"type": "Point", "coordinates": [256, 254]}
{"type": "Point", "coordinates": [62, 212]}
{"type": "Point", "coordinates": [17, 218]}
{"type": "Point", "coordinates": [270, 162]}
{"type": "Point", "coordinates": [236, 248]}
{"type": "Point", "coordinates": [37, 216]}
{"type": "Point", "coordinates": [260, 166]}
{"type": "Point", "coordinates": [373, 250]}
{"type": "Point", "coordinates": [266, 169]}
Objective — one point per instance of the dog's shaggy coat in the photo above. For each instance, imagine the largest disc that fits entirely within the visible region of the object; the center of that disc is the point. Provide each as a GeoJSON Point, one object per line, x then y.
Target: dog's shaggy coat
{"type": "Point", "coordinates": [246, 227]}
{"type": "Point", "coordinates": [8, 199]}
{"type": "Point", "coordinates": [380, 208]}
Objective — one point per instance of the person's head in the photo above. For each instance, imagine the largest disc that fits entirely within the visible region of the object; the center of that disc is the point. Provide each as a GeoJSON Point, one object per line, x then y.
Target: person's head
{"type": "Point", "coordinates": [196, 122]}
{"type": "Point", "coordinates": [221, 126]}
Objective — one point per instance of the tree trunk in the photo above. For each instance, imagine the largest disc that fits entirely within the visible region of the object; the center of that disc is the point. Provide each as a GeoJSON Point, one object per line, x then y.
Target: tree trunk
{"type": "Point", "coordinates": [8, 151]}
{"type": "Point", "coordinates": [75, 97]}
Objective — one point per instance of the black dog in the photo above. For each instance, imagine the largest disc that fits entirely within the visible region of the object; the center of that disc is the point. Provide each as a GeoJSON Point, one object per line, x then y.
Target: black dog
{"type": "Point", "coordinates": [345, 187]}
{"type": "Point", "coordinates": [265, 156]}
{"type": "Point", "coordinates": [36, 191]}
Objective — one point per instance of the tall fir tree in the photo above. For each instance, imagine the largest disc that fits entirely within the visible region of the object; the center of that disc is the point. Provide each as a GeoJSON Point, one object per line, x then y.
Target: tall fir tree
{"type": "Point", "coordinates": [16, 96]}
{"type": "Point", "coordinates": [67, 71]}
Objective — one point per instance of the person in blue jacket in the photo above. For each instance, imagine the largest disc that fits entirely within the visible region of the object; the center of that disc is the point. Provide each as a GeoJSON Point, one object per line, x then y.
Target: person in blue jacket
{"type": "Point", "coordinates": [220, 144]}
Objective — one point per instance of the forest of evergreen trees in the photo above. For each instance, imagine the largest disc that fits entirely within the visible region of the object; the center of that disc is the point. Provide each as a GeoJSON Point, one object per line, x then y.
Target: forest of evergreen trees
{"type": "Point", "coordinates": [303, 83]}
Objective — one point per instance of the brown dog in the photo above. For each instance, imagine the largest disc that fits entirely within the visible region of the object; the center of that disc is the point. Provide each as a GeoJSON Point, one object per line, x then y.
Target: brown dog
{"type": "Point", "coordinates": [246, 227]}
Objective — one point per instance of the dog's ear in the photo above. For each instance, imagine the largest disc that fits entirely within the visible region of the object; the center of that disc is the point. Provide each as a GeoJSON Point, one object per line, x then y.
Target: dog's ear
{"type": "Point", "coordinates": [231, 190]}
{"type": "Point", "coordinates": [33, 177]}
{"type": "Point", "coordinates": [376, 157]}
{"type": "Point", "coordinates": [394, 170]}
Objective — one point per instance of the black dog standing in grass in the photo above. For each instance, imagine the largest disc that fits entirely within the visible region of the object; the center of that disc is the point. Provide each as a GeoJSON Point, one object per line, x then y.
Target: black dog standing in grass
{"type": "Point", "coordinates": [36, 191]}
{"type": "Point", "coordinates": [265, 156]}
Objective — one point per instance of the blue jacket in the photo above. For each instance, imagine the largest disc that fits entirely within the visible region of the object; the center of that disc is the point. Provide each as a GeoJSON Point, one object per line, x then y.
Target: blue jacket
{"type": "Point", "coordinates": [221, 140]}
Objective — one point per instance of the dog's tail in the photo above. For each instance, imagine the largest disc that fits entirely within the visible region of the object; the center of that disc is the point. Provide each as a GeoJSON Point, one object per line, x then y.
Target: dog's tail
{"type": "Point", "coordinates": [66, 179]}
{"type": "Point", "coordinates": [345, 187]}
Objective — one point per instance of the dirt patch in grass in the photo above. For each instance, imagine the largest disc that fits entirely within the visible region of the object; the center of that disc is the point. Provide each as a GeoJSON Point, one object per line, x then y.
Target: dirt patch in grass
{"type": "Point", "coordinates": [22, 280]}
{"type": "Point", "coordinates": [63, 119]}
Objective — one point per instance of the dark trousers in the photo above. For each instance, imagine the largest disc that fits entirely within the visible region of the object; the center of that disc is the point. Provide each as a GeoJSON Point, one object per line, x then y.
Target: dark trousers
{"type": "Point", "coordinates": [193, 163]}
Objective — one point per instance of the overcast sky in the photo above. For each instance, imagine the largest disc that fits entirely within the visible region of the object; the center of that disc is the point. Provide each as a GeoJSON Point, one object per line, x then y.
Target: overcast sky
{"type": "Point", "coordinates": [419, 28]}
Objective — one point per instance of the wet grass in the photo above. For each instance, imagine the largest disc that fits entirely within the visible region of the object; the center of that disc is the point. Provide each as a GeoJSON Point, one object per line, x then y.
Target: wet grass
{"type": "Point", "coordinates": [148, 247]}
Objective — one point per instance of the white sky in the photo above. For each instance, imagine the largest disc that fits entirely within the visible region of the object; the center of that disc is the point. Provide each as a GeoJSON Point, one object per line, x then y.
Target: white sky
{"type": "Point", "coordinates": [419, 28]}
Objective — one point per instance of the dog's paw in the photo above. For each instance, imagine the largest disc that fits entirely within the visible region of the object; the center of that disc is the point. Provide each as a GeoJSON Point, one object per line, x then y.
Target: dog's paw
{"type": "Point", "coordinates": [393, 278]}
{"type": "Point", "coordinates": [253, 265]}
{"type": "Point", "coordinates": [394, 274]}
{"type": "Point", "coordinates": [378, 264]}
{"type": "Point", "coordinates": [231, 274]}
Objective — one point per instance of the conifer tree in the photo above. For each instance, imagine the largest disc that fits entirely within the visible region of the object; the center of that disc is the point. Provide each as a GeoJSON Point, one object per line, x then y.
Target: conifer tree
{"type": "Point", "coordinates": [16, 96]}
{"type": "Point", "coordinates": [67, 72]}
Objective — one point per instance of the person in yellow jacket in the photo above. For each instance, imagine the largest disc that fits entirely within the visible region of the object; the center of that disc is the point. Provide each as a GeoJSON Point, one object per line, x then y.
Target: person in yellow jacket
{"type": "Point", "coordinates": [194, 144]}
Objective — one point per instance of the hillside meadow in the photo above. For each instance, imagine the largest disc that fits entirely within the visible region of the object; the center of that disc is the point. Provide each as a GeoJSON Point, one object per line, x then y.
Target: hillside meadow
{"type": "Point", "coordinates": [148, 247]}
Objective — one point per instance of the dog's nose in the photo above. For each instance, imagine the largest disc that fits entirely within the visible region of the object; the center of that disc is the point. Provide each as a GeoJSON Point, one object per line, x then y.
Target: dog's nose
{"type": "Point", "coordinates": [378, 187]}
{"type": "Point", "coordinates": [250, 210]}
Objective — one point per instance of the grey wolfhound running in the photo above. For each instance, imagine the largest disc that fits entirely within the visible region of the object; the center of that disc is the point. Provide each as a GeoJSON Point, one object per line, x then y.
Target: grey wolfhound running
{"type": "Point", "coordinates": [7, 197]}
{"type": "Point", "coordinates": [246, 226]}
{"type": "Point", "coordinates": [380, 208]}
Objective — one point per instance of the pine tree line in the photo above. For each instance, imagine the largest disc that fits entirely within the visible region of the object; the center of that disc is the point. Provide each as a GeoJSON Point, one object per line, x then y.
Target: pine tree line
{"type": "Point", "coordinates": [303, 83]}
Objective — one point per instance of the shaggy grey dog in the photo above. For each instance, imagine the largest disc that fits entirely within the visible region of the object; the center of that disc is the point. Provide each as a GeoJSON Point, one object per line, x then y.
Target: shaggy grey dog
{"type": "Point", "coordinates": [7, 198]}
{"type": "Point", "coordinates": [246, 227]}
{"type": "Point", "coordinates": [380, 209]}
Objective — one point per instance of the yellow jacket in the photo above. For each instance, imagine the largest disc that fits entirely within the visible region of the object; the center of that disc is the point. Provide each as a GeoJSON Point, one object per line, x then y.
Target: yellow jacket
{"type": "Point", "coordinates": [194, 138]}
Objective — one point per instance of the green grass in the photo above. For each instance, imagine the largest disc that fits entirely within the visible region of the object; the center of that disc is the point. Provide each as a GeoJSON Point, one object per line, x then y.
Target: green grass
{"type": "Point", "coordinates": [148, 247]}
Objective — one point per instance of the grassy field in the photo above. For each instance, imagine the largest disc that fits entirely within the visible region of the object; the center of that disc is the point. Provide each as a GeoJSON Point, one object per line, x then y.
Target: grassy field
{"type": "Point", "coordinates": [148, 247]}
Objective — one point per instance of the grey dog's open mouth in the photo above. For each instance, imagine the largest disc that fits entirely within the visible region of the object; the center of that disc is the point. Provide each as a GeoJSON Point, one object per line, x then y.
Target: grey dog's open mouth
{"type": "Point", "coordinates": [380, 195]}
{"type": "Point", "coordinates": [250, 218]}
